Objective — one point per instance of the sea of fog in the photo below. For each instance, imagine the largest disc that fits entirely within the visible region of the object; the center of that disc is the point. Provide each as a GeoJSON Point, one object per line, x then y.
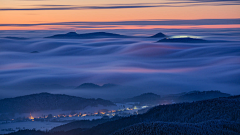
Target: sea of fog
{"type": "Point", "coordinates": [136, 65]}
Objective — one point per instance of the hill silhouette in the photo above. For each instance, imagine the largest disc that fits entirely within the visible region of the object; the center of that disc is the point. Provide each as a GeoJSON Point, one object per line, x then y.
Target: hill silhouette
{"type": "Point", "coordinates": [47, 101]}
{"type": "Point", "coordinates": [154, 99]}
{"type": "Point", "coordinates": [74, 35]}
{"type": "Point", "coordinates": [95, 86]}
{"type": "Point", "coordinates": [158, 35]}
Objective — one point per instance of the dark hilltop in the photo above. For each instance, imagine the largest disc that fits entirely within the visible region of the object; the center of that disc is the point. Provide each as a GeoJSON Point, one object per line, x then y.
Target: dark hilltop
{"type": "Point", "coordinates": [47, 101]}
{"type": "Point", "coordinates": [95, 86]}
{"type": "Point", "coordinates": [158, 35]}
{"type": "Point", "coordinates": [74, 35]}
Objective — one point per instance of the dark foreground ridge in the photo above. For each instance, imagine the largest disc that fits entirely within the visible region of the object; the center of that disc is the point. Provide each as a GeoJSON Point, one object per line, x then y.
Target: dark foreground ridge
{"type": "Point", "coordinates": [74, 35]}
{"type": "Point", "coordinates": [209, 117]}
{"type": "Point", "coordinates": [47, 101]}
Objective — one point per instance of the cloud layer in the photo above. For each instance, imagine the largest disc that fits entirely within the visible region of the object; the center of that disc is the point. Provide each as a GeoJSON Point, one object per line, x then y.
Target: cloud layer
{"type": "Point", "coordinates": [125, 6]}
{"type": "Point", "coordinates": [136, 64]}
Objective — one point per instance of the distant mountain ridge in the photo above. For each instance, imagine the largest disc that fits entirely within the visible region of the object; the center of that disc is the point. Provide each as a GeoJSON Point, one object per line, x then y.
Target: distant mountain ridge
{"type": "Point", "coordinates": [154, 99]}
{"type": "Point", "coordinates": [196, 96]}
{"type": "Point", "coordinates": [74, 35]}
{"type": "Point", "coordinates": [47, 101]}
{"type": "Point", "coordinates": [201, 95]}
{"type": "Point", "coordinates": [95, 86]}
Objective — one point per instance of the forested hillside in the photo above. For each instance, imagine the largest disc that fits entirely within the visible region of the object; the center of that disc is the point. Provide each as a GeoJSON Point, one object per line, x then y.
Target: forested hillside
{"type": "Point", "coordinates": [47, 101]}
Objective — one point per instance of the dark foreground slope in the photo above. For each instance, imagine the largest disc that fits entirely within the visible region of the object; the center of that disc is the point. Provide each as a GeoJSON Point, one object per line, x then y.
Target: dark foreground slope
{"type": "Point", "coordinates": [215, 116]}
{"type": "Point", "coordinates": [227, 109]}
{"type": "Point", "coordinates": [217, 127]}
{"type": "Point", "coordinates": [47, 101]}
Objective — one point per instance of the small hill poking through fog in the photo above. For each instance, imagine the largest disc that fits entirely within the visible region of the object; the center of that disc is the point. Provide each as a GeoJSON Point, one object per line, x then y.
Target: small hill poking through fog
{"type": "Point", "coordinates": [158, 35]}
{"type": "Point", "coordinates": [47, 101]}
{"type": "Point", "coordinates": [95, 86]}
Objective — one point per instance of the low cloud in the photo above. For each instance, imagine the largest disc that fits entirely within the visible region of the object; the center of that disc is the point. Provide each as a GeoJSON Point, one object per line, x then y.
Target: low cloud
{"type": "Point", "coordinates": [150, 22]}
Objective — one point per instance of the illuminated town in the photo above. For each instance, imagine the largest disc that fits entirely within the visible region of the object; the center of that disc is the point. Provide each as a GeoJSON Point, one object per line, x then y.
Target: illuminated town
{"type": "Point", "coordinates": [101, 113]}
{"type": "Point", "coordinates": [123, 112]}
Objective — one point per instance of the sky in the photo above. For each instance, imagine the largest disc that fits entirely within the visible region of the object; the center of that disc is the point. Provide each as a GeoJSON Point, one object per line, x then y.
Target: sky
{"type": "Point", "coordinates": [109, 14]}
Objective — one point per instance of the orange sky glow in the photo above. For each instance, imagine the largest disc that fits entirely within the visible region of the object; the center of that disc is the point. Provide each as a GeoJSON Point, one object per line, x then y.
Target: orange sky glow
{"type": "Point", "coordinates": [49, 11]}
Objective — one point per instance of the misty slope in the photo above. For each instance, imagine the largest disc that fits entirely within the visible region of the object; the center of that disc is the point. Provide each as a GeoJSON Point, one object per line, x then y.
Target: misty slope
{"type": "Point", "coordinates": [200, 95]}
{"type": "Point", "coordinates": [194, 96]}
{"type": "Point", "coordinates": [154, 99]}
{"type": "Point", "coordinates": [146, 98]}
{"type": "Point", "coordinates": [47, 101]}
